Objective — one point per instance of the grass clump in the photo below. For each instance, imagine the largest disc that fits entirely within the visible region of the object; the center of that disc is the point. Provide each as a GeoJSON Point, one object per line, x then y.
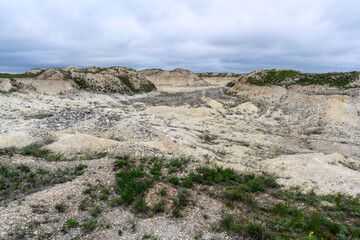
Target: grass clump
{"type": "Point", "coordinates": [156, 171]}
{"type": "Point", "coordinates": [227, 222]}
{"type": "Point", "coordinates": [89, 225]}
{"type": "Point", "coordinates": [183, 196]}
{"type": "Point", "coordinates": [162, 192]}
{"type": "Point", "coordinates": [255, 230]}
{"type": "Point", "coordinates": [104, 197]}
{"type": "Point", "coordinates": [121, 162]}
{"type": "Point", "coordinates": [70, 223]}
{"type": "Point", "coordinates": [61, 207]}
{"type": "Point", "coordinates": [187, 182]}
{"type": "Point", "coordinates": [177, 164]}
{"type": "Point", "coordinates": [176, 212]}
{"type": "Point", "coordinates": [140, 205]}
{"type": "Point", "coordinates": [8, 151]}
{"type": "Point", "coordinates": [95, 212]}
{"type": "Point", "coordinates": [174, 180]}
{"type": "Point", "coordinates": [84, 204]}
{"type": "Point", "coordinates": [158, 207]}
{"type": "Point", "coordinates": [35, 150]}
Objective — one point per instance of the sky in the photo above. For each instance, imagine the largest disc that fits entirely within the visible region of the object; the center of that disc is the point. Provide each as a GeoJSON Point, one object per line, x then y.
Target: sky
{"type": "Point", "coordinates": [200, 35]}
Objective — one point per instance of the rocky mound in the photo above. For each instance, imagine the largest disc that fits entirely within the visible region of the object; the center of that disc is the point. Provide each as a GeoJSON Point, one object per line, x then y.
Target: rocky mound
{"type": "Point", "coordinates": [5, 85]}
{"type": "Point", "coordinates": [57, 80]}
{"type": "Point", "coordinates": [177, 77]}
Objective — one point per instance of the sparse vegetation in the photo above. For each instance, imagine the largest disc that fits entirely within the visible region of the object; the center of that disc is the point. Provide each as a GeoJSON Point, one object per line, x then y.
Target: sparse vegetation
{"type": "Point", "coordinates": [230, 84]}
{"type": "Point", "coordinates": [39, 116]}
{"type": "Point", "coordinates": [254, 206]}
{"type": "Point", "coordinates": [37, 150]}
{"type": "Point", "coordinates": [290, 77]}
{"type": "Point", "coordinates": [148, 87]}
{"type": "Point", "coordinates": [127, 82]}
{"type": "Point", "coordinates": [23, 179]}
{"type": "Point", "coordinates": [274, 220]}
{"type": "Point", "coordinates": [81, 82]}
{"type": "Point", "coordinates": [112, 86]}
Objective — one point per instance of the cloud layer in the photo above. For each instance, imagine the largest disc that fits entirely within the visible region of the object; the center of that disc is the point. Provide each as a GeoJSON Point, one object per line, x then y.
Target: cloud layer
{"type": "Point", "coordinates": [212, 35]}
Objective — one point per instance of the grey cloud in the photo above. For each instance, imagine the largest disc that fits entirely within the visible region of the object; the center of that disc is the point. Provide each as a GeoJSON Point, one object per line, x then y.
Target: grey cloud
{"type": "Point", "coordinates": [213, 35]}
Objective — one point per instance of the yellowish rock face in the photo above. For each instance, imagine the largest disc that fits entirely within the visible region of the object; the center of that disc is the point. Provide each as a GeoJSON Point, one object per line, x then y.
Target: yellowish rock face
{"type": "Point", "coordinates": [246, 108]}
{"type": "Point", "coordinates": [341, 109]}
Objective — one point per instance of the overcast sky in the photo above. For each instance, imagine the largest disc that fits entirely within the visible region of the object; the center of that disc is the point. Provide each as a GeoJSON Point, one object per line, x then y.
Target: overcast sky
{"type": "Point", "coordinates": [200, 35]}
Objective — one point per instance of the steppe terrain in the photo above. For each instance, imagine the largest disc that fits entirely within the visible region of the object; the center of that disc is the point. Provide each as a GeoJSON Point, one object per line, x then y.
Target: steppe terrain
{"type": "Point", "coordinates": [91, 123]}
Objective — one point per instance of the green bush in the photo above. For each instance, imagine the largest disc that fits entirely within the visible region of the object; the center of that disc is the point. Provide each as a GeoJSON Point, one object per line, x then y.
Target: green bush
{"type": "Point", "coordinates": [174, 180]}
{"type": "Point", "coordinates": [104, 197]}
{"type": "Point", "coordinates": [162, 192]}
{"type": "Point", "coordinates": [21, 75]}
{"type": "Point", "coordinates": [256, 185]}
{"type": "Point", "coordinates": [70, 223]}
{"type": "Point", "coordinates": [131, 183]}
{"type": "Point", "coordinates": [156, 171]}
{"type": "Point", "coordinates": [187, 182]}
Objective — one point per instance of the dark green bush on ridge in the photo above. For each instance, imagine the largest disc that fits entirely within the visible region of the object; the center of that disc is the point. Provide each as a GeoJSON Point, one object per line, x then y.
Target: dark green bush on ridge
{"type": "Point", "coordinates": [291, 77]}
{"type": "Point", "coordinates": [20, 75]}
